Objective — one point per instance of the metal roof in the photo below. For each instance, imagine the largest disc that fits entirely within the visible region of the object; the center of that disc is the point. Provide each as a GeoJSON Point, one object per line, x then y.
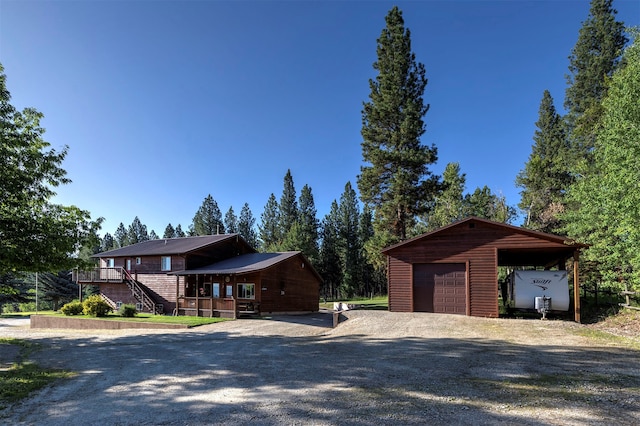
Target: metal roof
{"type": "Point", "coordinates": [167, 246]}
{"type": "Point", "coordinates": [551, 238]}
{"type": "Point", "coordinates": [242, 264]}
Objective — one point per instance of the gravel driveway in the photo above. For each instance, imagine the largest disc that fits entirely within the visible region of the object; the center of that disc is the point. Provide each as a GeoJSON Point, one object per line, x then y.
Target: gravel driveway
{"type": "Point", "coordinates": [376, 367]}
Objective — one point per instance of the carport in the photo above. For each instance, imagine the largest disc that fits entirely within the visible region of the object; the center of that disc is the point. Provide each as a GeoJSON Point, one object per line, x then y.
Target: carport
{"type": "Point", "coordinates": [454, 269]}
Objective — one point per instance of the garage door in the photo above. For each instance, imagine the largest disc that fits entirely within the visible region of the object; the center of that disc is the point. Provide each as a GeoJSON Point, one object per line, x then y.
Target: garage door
{"type": "Point", "coordinates": [440, 288]}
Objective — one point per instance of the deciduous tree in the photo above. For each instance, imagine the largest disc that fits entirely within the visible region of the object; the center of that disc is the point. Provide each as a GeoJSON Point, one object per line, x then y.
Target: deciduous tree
{"type": "Point", "coordinates": [35, 234]}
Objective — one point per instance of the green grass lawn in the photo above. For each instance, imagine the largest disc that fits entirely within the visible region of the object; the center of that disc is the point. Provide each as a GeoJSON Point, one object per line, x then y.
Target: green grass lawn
{"type": "Point", "coordinates": [22, 378]}
{"type": "Point", "coordinates": [140, 317]}
{"type": "Point", "coordinates": [379, 303]}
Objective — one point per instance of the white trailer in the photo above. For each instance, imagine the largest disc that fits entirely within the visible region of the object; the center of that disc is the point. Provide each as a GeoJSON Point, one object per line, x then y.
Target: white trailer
{"type": "Point", "coordinates": [550, 288]}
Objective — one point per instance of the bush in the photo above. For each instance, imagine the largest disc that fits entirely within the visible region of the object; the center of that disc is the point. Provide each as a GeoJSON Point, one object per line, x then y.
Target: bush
{"type": "Point", "coordinates": [72, 308]}
{"type": "Point", "coordinates": [95, 306]}
{"type": "Point", "coordinates": [128, 311]}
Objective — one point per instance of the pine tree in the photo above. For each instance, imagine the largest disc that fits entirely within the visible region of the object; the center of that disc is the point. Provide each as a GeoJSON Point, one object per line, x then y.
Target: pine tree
{"type": "Point", "coordinates": [485, 204]}
{"type": "Point", "coordinates": [546, 177]}
{"type": "Point", "coordinates": [330, 265]}
{"type": "Point", "coordinates": [349, 247]}
{"type": "Point", "coordinates": [169, 232]}
{"type": "Point", "coordinates": [288, 207]}
{"type": "Point", "coordinates": [121, 236]}
{"type": "Point", "coordinates": [153, 235]}
{"type": "Point", "coordinates": [230, 221]}
{"type": "Point", "coordinates": [372, 281]}
{"type": "Point", "coordinates": [137, 232]}
{"type": "Point", "coordinates": [449, 204]}
{"type": "Point", "coordinates": [246, 225]}
{"type": "Point", "coordinates": [208, 219]}
{"type": "Point", "coordinates": [179, 232]}
{"type": "Point", "coordinates": [108, 243]}
{"type": "Point", "coordinates": [396, 181]}
{"type": "Point", "coordinates": [57, 289]}
{"type": "Point", "coordinates": [593, 60]}
{"type": "Point", "coordinates": [308, 224]}
{"type": "Point", "coordinates": [269, 226]}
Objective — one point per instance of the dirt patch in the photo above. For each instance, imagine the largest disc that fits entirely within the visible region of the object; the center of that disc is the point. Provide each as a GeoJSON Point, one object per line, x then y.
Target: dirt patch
{"type": "Point", "coordinates": [375, 367]}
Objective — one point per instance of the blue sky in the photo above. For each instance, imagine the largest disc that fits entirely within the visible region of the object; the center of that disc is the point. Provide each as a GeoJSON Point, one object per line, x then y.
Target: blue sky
{"type": "Point", "coordinates": [164, 102]}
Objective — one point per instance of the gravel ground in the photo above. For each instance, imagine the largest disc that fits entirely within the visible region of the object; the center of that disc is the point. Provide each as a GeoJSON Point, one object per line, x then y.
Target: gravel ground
{"type": "Point", "coordinates": [376, 367]}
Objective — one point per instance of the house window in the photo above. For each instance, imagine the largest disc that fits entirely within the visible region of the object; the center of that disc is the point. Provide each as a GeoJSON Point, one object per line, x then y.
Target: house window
{"type": "Point", "coordinates": [166, 263]}
{"type": "Point", "coordinates": [246, 291]}
{"type": "Point", "coordinates": [138, 261]}
{"type": "Point", "coordinates": [118, 305]}
{"type": "Point", "coordinates": [128, 264]}
{"type": "Point", "coordinates": [216, 289]}
{"type": "Point", "coordinates": [110, 263]}
{"type": "Point", "coordinates": [229, 292]}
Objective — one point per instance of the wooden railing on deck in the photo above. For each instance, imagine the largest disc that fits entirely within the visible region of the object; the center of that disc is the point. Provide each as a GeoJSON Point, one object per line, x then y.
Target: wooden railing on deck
{"type": "Point", "coordinates": [206, 306]}
{"type": "Point", "coordinates": [96, 275]}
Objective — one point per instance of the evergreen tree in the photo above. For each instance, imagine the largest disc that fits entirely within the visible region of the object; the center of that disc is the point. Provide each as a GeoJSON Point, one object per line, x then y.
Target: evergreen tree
{"type": "Point", "coordinates": [288, 207]}
{"type": "Point", "coordinates": [593, 60]}
{"type": "Point", "coordinates": [396, 181]}
{"type": "Point", "coordinates": [108, 243]}
{"type": "Point", "coordinates": [121, 236]}
{"type": "Point", "coordinates": [231, 221]}
{"type": "Point", "coordinates": [605, 212]}
{"type": "Point", "coordinates": [179, 232]}
{"type": "Point", "coordinates": [14, 290]}
{"type": "Point", "coordinates": [246, 226]}
{"type": "Point", "coordinates": [308, 225]}
{"type": "Point", "coordinates": [349, 247]}
{"type": "Point", "coordinates": [372, 281]}
{"type": "Point", "coordinates": [208, 219]}
{"type": "Point", "coordinates": [269, 226]}
{"type": "Point", "coordinates": [546, 177]}
{"type": "Point", "coordinates": [169, 232]}
{"type": "Point", "coordinates": [153, 235]}
{"type": "Point", "coordinates": [449, 204]}
{"type": "Point", "coordinates": [137, 232]}
{"type": "Point", "coordinates": [330, 265]}
{"type": "Point", "coordinates": [485, 204]}
{"type": "Point", "coordinates": [57, 289]}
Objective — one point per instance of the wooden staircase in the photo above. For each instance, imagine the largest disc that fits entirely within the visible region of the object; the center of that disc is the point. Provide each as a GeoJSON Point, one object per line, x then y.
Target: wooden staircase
{"type": "Point", "coordinates": [141, 294]}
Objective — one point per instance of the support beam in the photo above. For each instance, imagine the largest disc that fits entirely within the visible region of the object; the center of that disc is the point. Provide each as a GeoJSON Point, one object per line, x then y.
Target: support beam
{"type": "Point", "coordinates": [576, 285]}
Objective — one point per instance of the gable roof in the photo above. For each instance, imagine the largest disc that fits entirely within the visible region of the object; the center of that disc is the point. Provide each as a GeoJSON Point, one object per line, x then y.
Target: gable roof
{"type": "Point", "coordinates": [247, 263]}
{"type": "Point", "coordinates": [552, 238]}
{"type": "Point", "coordinates": [168, 246]}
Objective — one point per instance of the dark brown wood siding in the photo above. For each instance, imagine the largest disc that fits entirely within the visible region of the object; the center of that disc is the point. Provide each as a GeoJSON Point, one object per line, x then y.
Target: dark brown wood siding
{"type": "Point", "coordinates": [289, 287]}
{"type": "Point", "coordinates": [472, 243]}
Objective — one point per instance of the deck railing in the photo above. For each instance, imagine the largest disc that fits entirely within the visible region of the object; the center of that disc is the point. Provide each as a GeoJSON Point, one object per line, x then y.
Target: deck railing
{"type": "Point", "coordinates": [206, 306]}
{"type": "Point", "coordinates": [95, 275]}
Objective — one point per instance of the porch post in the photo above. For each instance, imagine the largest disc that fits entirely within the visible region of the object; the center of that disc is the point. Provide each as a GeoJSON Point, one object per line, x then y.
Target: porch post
{"type": "Point", "coordinates": [177, 310]}
{"type": "Point", "coordinates": [576, 285]}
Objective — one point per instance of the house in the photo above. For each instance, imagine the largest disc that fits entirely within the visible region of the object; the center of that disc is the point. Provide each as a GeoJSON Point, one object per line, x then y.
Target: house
{"type": "Point", "coordinates": [260, 282]}
{"type": "Point", "coordinates": [454, 269]}
{"type": "Point", "coordinates": [204, 275]}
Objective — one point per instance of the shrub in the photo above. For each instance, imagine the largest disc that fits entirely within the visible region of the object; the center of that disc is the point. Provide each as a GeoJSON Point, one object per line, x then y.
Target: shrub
{"type": "Point", "coordinates": [95, 306]}
{"type": "Point", "coordinates": [128, 311]}
{"type": "Point", "coordinates": [72, 308]}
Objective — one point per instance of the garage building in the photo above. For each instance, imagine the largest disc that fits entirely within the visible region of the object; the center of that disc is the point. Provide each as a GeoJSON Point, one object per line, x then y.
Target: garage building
{"type": "Point", "coordinates": [455, 269]}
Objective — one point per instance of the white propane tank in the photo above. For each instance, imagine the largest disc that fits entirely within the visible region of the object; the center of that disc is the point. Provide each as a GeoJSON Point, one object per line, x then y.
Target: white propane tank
{"type": "Point", "coordinates": [527, 286]}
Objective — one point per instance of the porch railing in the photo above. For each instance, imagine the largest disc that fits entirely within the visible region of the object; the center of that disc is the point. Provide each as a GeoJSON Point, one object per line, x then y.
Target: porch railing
{"type": "Point", "coordinates": [209, 306]}
{"type": "Point", "coordinates": [97, 275]}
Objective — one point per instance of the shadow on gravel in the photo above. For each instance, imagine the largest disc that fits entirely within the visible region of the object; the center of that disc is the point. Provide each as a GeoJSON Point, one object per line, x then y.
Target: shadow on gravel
{"type": "Point", "coordinates": [212, 378]}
